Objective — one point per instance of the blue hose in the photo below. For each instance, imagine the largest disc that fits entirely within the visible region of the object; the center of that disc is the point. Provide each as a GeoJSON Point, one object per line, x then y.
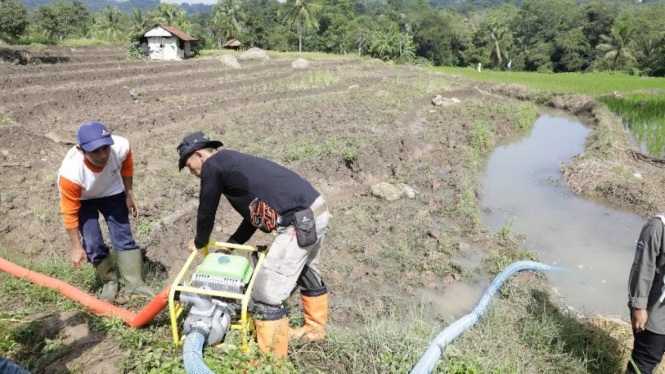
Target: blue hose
{"type": "Point", "coordinates": [428, 360]}
{"type": "Point", "coordinates": [192, 354]}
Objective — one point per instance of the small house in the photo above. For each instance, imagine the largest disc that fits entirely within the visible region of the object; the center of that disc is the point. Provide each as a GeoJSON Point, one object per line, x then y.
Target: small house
{"type": "Point", "coordinates": [164, 42]}
{"type": "Point", "coordinates": [232, 44]}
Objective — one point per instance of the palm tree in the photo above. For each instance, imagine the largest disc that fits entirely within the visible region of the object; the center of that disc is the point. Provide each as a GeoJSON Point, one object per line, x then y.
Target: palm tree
{"type": "Point", "coordinates": [617, 43]}
{"type": "Point", "coordinates": [138, 21]}
{"type": "Point", "coordinates": [170, 15]}
{"type": "Point", "coordinates": [225, 23]}
{"type": "Point", "coordinates": [299, 11]}
{"type": "Point", "coordinates": [497, 50]}
{"type": "Point", "coordinates": [111, 23]}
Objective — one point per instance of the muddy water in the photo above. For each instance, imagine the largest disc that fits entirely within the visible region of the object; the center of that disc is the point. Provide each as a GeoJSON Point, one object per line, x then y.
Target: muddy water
{"type": "Point", "coordinates": [523, 189]}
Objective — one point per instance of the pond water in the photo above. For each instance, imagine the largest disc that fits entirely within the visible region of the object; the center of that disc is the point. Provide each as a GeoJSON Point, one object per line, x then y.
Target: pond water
{"type": "Point", "coordinates": [524, 190]}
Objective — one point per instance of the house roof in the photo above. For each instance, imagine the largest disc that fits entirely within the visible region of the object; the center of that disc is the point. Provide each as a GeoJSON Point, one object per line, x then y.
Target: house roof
{"type": "Point", "coordinates": [175, 31]}
{"type": "Point", "coordinates": [232, 43]}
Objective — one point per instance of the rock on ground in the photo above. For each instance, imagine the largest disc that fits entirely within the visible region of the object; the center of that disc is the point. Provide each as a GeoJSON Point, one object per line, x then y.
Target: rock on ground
{"type": "Point", "coordinates": [230, 61]}
{"type": "Point", "coordinates": [391, 192]}
{"type": "Point", "coordinates": [439, 100]}
{"type": "Point", "coordinates": [300, 63]}
{"type": "Point", "coordinates": [254, 54]}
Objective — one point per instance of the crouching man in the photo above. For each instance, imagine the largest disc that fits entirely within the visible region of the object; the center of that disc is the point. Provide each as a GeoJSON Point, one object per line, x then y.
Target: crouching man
{"type": "Point", "coordinates": [96, 177]}
{"type": "Point", "coordinates": [271, 198]}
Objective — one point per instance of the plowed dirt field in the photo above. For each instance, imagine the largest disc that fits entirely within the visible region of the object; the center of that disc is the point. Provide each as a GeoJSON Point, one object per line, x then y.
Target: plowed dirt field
{"type": "Point", "coordinates": [344, 124]}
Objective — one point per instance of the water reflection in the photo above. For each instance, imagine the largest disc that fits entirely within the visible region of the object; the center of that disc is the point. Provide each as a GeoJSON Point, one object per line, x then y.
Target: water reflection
{"type": "Point", "coordinates": [523, 187]}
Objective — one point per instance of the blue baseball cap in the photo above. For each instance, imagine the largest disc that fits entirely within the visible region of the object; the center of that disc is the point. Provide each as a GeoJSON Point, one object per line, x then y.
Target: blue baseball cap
{"type": "Point", "coordinates": [92, 135]}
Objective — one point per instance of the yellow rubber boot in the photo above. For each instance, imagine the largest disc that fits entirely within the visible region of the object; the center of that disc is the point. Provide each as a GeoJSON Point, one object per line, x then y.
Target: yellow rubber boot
{"type": "Point", "coordinates": [315, 309]}
{"type": "Point", "coordinates": [273, 336]}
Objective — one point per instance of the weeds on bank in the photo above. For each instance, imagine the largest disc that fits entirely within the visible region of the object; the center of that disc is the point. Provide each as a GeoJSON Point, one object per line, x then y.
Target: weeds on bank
{"type": "Point", "coordinates": [525, 332]}
{"type": "Point", "coordinates": [312, 79]}
{"type": "Point", "coordinates": [496, 261]}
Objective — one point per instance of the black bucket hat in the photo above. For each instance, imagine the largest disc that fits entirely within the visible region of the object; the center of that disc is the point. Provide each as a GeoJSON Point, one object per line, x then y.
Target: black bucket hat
{"type": "Point", "coordinates": [192, 143]}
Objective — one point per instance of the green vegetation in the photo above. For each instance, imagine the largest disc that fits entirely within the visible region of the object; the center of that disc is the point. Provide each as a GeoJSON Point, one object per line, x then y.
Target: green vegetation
{"type": "Point", "coordinates": [645, 116]}
{"type": "Point", "coordinates": [83, 42]}
{"type": "Point", "coordinates": [13, 19]}
{"type": "Point", "coordinates": [312, 79]}
{"type": "Point", "coordinates": [610, 35]}
{"type": "Point", "coordinates": [592, 84]}
{"type": "Point", "coordinates": [347, 148]}
{"type": "Point", "coordinates": [5, 120]}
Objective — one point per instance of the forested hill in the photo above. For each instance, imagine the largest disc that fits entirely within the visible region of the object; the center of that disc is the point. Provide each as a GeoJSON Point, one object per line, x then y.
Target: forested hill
{"type": "Point", "coordinates": [125, 6]}
{"type": "Point", "coordinates": [467, 5]}
{"type": "Point", "coordinates": [196, 8]}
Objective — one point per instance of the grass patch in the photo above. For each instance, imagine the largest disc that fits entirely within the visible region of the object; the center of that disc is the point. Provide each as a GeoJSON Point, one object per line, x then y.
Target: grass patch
{"type": "Point", "coordinates": [585, 83]}
{"type": "Point", "coordinates": [347, 148]}
{"type": "Point", "coordinates": [496, 261]}
{"type": "Point", "coordinates": [644, 115]}
{"type": "Point", "coordinates": [385, 343]}
{"type": "Point", "coordinates": [524, 331]}
{"type": "Point", "coordinates": [312, 56]}
{"type": "Point", "coordinates": [284, 55]}
{"type": "Point", "coordinates": [312, 79]}
{"type": "Point", "coordinates": [481, 137]}
{"type": "Point", "coordinates": [6, 120]}
{"type": "Point", "coordinates": [90, 42]}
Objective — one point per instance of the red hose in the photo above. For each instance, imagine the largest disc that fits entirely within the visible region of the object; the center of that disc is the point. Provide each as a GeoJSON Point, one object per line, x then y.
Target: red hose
{"type": "Point", "coordinates": [98, 306]}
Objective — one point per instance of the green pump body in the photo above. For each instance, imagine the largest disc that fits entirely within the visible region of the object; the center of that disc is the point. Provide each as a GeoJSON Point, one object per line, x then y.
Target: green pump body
{"type": "Point", "coordinates": [226, 266]}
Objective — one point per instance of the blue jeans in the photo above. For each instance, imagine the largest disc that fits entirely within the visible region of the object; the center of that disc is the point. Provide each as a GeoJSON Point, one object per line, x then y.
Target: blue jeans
{"type": "Point", "coordinates": [115, 212]}
{"type": "Point", "coordinates": [8, 367]}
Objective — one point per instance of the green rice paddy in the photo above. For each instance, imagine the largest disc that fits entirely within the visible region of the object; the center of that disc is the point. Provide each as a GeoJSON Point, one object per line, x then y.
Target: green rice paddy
{"type": "Point", "coordinates": [644, 116]}
{"type": "Point", "coordinates": [642, 113]}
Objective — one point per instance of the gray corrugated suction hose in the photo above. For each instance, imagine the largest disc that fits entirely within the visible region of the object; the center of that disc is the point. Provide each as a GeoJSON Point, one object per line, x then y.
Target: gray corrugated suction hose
{"type": "Point", "coordinates": [429, 359]}
{"type": "Point", "coordinates": [192, 353]}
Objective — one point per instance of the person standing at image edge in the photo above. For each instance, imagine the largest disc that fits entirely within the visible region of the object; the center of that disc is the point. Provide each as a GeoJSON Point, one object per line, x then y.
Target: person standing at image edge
{"type": "Point", "coordinates": [96, 176]}
{"type": "Point", "coordinates": [271, 198]}
{"type": "Point", "coordinates": [646, 297]}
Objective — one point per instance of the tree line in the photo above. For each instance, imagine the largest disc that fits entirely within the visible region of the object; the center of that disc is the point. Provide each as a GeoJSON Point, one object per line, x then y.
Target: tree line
{"type": "Point", "coordinates": [548, 36]}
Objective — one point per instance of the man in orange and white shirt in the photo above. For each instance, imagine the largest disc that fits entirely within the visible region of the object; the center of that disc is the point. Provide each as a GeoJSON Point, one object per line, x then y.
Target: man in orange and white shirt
{"type": "Point", "coordinates": [96, 177]}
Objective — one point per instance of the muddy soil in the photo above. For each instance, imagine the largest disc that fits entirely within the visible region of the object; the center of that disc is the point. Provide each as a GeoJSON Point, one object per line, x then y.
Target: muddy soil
{"type": "Point", "coordinates": [345, 125]}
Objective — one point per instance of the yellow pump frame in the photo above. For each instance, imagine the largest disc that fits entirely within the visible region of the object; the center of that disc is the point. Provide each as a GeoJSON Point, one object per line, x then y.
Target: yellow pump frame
{"type": "Point", "coordinates": [245, 324]}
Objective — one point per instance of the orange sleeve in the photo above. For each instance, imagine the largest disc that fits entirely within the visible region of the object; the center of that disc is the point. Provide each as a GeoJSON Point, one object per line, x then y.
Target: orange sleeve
{"type": "Point", "coordinates": [127, 169]}
{"type": "Point", "coordinates": [70, 202]}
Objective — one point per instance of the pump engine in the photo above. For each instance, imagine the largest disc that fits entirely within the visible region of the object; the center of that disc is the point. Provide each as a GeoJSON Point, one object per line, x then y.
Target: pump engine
{"type": "Point", "coordinates": [213, 315]}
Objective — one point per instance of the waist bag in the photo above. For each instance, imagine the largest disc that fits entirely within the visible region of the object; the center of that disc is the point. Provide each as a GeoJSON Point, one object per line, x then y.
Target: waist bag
{"type": "Point", "coordinates": [305, 225]}
{"type": "Point", "coordinates": [262, 215]}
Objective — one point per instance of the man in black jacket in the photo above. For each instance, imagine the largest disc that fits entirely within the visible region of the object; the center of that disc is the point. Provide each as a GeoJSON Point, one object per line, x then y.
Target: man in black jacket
{"type": "Point", "coordinates": [271, 198]}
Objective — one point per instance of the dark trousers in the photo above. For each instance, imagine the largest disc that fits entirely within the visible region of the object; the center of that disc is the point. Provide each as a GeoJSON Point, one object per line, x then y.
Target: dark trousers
{"type": "Point", "coordinates": [648, 350]}
{"type": "Point", "coordinates": [115, 212]}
